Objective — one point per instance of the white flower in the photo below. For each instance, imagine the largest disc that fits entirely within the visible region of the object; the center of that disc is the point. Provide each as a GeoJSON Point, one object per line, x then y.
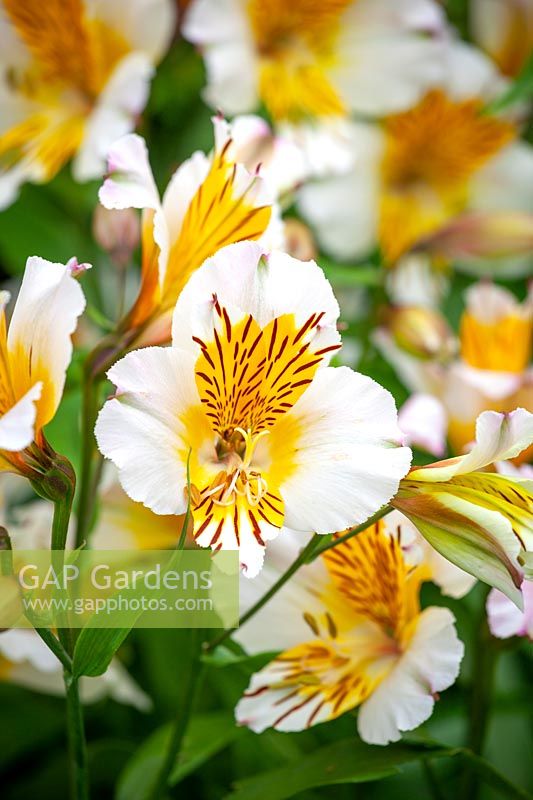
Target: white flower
{"type": "Point", "coordinates": [352, 635]}
{"type": "Point", "coordinates": [276, 437]}
{"type": "Point", "coordinates": [34, 354]}
{"type": "Point", "coordinates": [420, 169]}
{"type": "Point", "coordinates": [492, 372]}
{"type": "Point", "coordinates": [73, 78]}
{"type": "Point", "coordinates": [303, 59]}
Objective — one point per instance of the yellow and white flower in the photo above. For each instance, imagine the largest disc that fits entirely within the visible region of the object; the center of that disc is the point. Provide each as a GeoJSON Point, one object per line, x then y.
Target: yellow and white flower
{"type": "Point", "coordinates": [492, 372]}
{"type": "Point", "coordinates": [422, 168]}
{"type": "Point", "coordinates": [504, 29]}
{"type": "Point", "coordinates": [276, 437]}
{"type": "Point", "coordinates": [480, 521]}
{"type": "Point", "coordinates": [306, 59]}
{"type": "Point", "coordinates": [210, 202]}
{"type": "Point", "coordinates": [35, 352]}
{"type": "Point", "coordinates": [26, 661]}
{"type": "Point", "coordinates": [353, 636]}
{"type": "Point", "coordinates": [73, 77]}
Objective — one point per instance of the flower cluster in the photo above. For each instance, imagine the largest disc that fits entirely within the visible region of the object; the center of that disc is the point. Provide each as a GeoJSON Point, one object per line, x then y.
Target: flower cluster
{"type": "Point", "coordinates": [355, 238]}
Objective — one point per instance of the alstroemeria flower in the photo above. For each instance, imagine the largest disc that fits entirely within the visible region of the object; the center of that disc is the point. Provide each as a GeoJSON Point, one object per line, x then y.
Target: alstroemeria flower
{"type": "Point", "coordinates": [211, 201]}
{"type": "Point", "coordinates": [505, 619]}
{"type": "Point", "coordinates": [354, 637]}
{"type": "Point", "coordinates": [420, 169]}
{"type": "Point", "coordinates": [313, 60]}
{"type": "Point", "coordinates": [73, 78]}
{"type": "Point", "coordinates": [504, 29]}
{"type": "Point", "coordinates": [35, 352]}
{"type": "Point", "coordinates": [276, 437]}
{"type": "Point", "coordinates": [492, 373]}
{"type": "Point", "coordinates": [482, 522]}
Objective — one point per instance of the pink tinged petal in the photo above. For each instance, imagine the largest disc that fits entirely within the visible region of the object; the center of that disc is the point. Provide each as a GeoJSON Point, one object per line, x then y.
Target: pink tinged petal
{"type": "Point", "coordinates": [405, 698]}
{"type": "Point", "coordinates": [17, 426]}
{"type": "Point", "coordinates": [130, 183]}
{"type": "Point", "coordinates": [423, 421]}
{"type": "Point", "coordinates": [141, 430]}
{"type": "Point", "coordinates": [499, 437]}
{"type": "Point", "coordinates": [348, 459]}
{"type": "Point", "coordinates": [505, 619]}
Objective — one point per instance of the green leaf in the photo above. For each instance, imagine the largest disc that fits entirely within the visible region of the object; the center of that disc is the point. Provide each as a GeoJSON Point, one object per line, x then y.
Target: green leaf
{"type": "Point", "coordinates": [95, 648]}
{"type": "Point", "coordinates": [520, 90]}
{"type": "Point", "coordinates": [206, 736]}
{"type": "Point", "coordinates": [346, 761]}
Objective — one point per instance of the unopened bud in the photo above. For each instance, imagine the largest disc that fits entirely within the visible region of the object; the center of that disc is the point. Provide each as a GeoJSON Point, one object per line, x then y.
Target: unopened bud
{"type": "Point", "coordinates": [117, 231]}
{"type": "Point", "coordinates": [422, 332]}
{"type": "Point", "coordinates": [299, 241]}
{"type": "Point", "coordinates": [483, 235]}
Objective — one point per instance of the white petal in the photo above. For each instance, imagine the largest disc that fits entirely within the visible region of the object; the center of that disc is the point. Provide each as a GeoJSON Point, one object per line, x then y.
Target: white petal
{"type": "Point", "coordinates": [469, 73]}
{"type": "Point", "coordinates": [246, 279]}
{"type": "Point", "coordinates": [130, 183]}
{"type": "Point", "coordinates": [405, 698]}
{"type": "Point", "coordinates": [344, 209]}
{"type": "Point", "coordinates": [422, 419]}
{"type": "Point", "coordinates": [123, 98]}
{"type": "Point", "coordinates": [141, 432]}
{"type": "Point", "coordinates": [419, 376]}
{"type": "Point", "coordinates": [17, 426]}
{"type": "Point", "coordinates": [506, 182]}
{"type": "Point", "coordinates": [44, 318]}
{"type": "Point", "coordinates": [278, 159]}
{"type": "Point", "coordinates": [348, 462]}
{"type": "Point", "coordinates": [498, 437]}
{"type": "Point", "coordinates": [20, 646]}
{"type": "Point", "coordinates": [384, 64]}
{"type": "Point", "coordinates": [181, 189]}
{"type": "Point", "coordinates": [147, 25]}
{"type": "Point", "coordinates": [220, 28]}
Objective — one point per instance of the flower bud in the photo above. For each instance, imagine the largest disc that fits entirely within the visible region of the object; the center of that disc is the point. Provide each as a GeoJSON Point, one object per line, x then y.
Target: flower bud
{"type": "Point", "coordinates": [422, 332]}
{"type": "Point", "coordinates": [299, 240]}
{"type": "Point", "coordinates": [118, 232]}
{"type": "Point", "coordinates": [483, 235]}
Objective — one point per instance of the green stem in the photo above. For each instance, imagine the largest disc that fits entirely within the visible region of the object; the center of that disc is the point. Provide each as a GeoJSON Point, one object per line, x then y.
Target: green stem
{"type": "Point", "coordinates": [302, 558]}
{"type": "Point", "coordinates": [84, 511]}
{"type": "Point", "coordinates": [483, 670]}
{"type": "Point", "coordinates": [55, 646]}
{"type": "Point", "coordinates": [183, 713]}
{"type": "Point", "coordinates": [76, 740]}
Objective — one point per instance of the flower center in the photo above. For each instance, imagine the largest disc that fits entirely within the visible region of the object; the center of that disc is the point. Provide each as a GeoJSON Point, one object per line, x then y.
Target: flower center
{"type": "Point", "coordinates": [239, 478]}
